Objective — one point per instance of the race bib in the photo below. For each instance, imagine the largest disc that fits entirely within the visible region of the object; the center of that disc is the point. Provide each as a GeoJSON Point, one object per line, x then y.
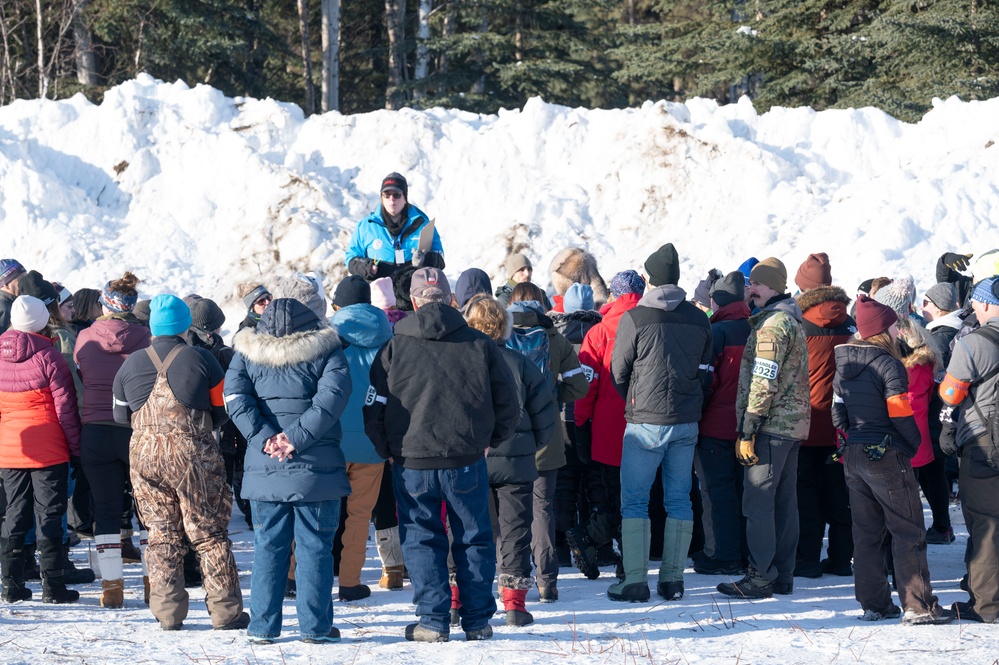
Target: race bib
{"type": "Point", "coordinates": [588, 372]}
{"type": "Point", "coordinates": [369, 399]}
{"type": "Point", "coordinates": [765, 369]}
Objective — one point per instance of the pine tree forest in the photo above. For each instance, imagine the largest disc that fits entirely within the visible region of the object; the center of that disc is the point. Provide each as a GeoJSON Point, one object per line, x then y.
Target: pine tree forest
{"type": "Point", "coordinates": [482, 55]}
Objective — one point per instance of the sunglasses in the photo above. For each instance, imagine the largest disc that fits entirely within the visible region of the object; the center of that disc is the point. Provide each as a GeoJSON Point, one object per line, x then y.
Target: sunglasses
{"type": "Point", "coordinates": [262, 300]}
{"type": "Point", "coordinates": [391, 195]}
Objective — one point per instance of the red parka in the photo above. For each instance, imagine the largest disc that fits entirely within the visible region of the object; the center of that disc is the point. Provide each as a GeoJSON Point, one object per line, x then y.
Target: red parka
{"type": "Point", "coordinates": [602, 403]}
{"type": "Point", "coordinates": [39, 423]}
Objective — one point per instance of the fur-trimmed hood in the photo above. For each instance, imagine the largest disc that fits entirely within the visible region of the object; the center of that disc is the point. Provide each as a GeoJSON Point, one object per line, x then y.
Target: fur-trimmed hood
{"type": "Point", "coordinates": [812, 297]}
{"type": "Point", "coordinates": [916, 347]}
{"type": "Point", "coordinates": [269, 351]}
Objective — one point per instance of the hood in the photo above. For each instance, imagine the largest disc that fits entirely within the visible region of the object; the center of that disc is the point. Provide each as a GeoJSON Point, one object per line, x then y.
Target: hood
{"type": "Point", "coordinates": [825, 306]}
{"type": "Point", "coordinates": [432, 321]}
{"type": "Point", "coordinates": [613, 311]}
{"type": "Point", "coordinates": [203, 339]}
{"type": "Point", "coordinates": [528, 314]}
{"type": "Point", "coordinates": [952, 320]}
{"type": "Point", "coordinates": [784, 303]}
{"type": "Point", "coordinates": [270, 351]}
{"type": "Point", "coordinates": [667, 297]}
{"type": "Point", "coordinates": [363, 325]}
{"type": "Point", "coordinates": [118, 335]}
{"type": "Point", "coordinates": [855, 356]}
{"type": "Point", "coordinates": [561, 319]}
{"type": "Point", "coordinates": [735, 311]}
{"type": "Point", "coordinates": [470, 283]}
{"type": "Point", "coordinates": [17, 346]}
{"type": "Point", "coordinates": [916, 347]}
{"type": "Point", "coordinates": [285, 316]}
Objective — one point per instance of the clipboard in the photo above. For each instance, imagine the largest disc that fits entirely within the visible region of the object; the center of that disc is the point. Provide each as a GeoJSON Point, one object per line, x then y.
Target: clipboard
{"type": "Point", "coordinates": [427, 236]}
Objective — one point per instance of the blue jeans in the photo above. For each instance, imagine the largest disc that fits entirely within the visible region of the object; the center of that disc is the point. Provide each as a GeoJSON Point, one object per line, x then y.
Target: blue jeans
{"type": "Point", "coordinates": [646, 448]}
{"type": "Point", "coordinates": [312, 525]}
{"type": "Point", "coordinates": [465, 492]}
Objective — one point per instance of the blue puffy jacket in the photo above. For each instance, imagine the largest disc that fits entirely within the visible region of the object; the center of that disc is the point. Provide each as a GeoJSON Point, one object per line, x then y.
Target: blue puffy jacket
{"type": "Point", "coordinates": [366, 329]}
{"type": "Point", "coordinates": [372, 239]}
{"type": "Point", "coordinates": [290, 375]}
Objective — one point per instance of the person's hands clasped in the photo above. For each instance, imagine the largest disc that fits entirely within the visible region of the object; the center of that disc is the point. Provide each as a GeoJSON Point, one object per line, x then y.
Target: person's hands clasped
{"type": "Point", "coordinates": [279, 447]}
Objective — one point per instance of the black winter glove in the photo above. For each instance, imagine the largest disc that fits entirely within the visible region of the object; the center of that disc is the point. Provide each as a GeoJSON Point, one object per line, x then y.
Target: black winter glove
{"type": "Point", "coordinates": [959, 262]}
{"type": "Point", "coordinates": [584, 442]}
{"type": "Point", "coordinates": [366, 268]}
{"type": "Point", "coordinates": [433, 260]}
{"type": "Point", "coordinates": [75, 464]}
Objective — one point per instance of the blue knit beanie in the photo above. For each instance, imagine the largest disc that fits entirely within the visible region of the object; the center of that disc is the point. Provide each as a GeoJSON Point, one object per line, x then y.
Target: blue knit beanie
{"type": "Point", "coordinates": [747, 267]}
{"type": "Point", "coordinates": [985, 292]}
{"type": "Point", "coordinates": [577, 297]}
{"type": "Point", "coordinates": [627, 281]}
{"type": "Point", "coordinates": [168, 315]}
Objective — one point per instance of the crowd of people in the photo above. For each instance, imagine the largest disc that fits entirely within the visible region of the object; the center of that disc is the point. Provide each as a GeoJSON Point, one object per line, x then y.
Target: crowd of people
{"type": "Point", "coordinates": [495, 437]}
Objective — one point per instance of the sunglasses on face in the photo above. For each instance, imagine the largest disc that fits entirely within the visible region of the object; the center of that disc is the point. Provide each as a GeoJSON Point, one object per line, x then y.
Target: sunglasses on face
{"type": "Point", "coordinates": [262, 300]}
{"type": "Point", "coordinates": [391, 195]}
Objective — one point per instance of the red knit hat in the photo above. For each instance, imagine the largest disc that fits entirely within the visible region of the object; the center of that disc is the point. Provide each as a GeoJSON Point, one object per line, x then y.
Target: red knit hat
{"type": "Point", "coordinates": [873, 317]}
{"type": "Point", "coordinates": [814, 272]}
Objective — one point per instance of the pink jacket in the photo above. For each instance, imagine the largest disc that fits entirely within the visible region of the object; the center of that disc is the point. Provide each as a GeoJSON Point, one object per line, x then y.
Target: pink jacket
{"type": "Point", "coordinates": [100, 352]}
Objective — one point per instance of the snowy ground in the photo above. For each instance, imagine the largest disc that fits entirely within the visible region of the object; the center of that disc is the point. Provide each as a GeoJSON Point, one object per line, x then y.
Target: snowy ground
{"type": "Point", "coordinates": [817, 624]}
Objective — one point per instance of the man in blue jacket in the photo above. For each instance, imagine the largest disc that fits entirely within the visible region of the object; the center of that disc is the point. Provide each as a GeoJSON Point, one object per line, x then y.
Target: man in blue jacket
{"type": "Point", "coordinates": [390, 236]}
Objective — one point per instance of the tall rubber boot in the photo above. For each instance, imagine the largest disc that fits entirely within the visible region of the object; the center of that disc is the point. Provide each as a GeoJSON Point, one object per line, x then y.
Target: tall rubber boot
{"type": "Point", "coordinates": [109, 561]}
{"type": "Point", "coordinates": [53, 573]}
{"type": "Point", "coordinates": [12, 555]}
{"type": "Point", "coordinates": [676, 541]}
{"type": "Point", "coordinates": [636, 538]}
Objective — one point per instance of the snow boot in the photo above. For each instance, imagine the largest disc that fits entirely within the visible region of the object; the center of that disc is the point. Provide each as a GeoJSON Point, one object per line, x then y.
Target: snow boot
{"type": "Point", "coordinates": [112, 593]}
{"type": "Point", "coordinates": [31, 571]}
{"type": "Point", "coordinates": [351, 593]}
{"type": "Point", "coordinates": [514, 595]}
{"type": "Point", "coordinates": [72, 574]}
{"type": "Point", "coordinates": [54, 590]}
{"type": "Point", "coordinates": [584, 552]}
{"type": "Point", "coordinates": [636, 538]}
{"type": "Point", "coordinates": [416, 632]}
{"type": "Point", "coordinates": [752, 586]}
{"type": "Point", "coordinates": [390, 552]}
{"type": "Point", "coordinates": [129, 552]}
{"type": "Point", "coordinates": [109, 562]}
{"type": "Point", "coordinates": [676, 542]}
{"type": "Point", "coordinates": [12, 562]}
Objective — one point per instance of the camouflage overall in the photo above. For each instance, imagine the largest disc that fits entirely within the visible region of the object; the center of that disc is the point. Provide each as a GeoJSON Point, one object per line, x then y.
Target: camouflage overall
{"type": "Point", "coordinates": [178, 479]}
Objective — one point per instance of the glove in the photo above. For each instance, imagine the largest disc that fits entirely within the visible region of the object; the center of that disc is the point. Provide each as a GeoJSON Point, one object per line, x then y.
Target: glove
{"type": "Point", "coordinates": [433, 260]}
{"type": "Point", "coordinates": [837, 455]}
{"type": "Point", "coordinates": [876, 451]}
{"type": "Point", "coordinates": [366, 268]}
{"type": "Point", "coordinates": [75, 464]}
{"type": "Point", "coordinates": [584, 442]}
{"type": "Point", "coordinates": [957, 262]}
{"type": "Point", "coordinates": [744, 451]}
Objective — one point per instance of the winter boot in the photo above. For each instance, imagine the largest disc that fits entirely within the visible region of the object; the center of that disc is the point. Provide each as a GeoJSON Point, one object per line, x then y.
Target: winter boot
{"type": "Point", "coordinates": [72, 574]}
{"type": "Point", "coordinates": [584, 552]}
{"type": "Point", "coordinates": [54, 589]}
{"type": "Point", "coordinates": [514, 594]}
{"type": "Point", "coordinates": [455, 606]}
{"type": "Point", "coordinates": [390, 552]}
{"type": "Point", "coordinates": [12, 562]}
{"type": "Point", "coordinates": [31, 571]}
{"type": "Point", "coordinates": [636, 538]}
{"type": "Point", "coordinates": [752, 586]}
{"type": "Point", "coordinates": [145, 589]}
{"type": "Point", "coordinates": [112, 593]}
{"type": "Point", "coordinates": [676, 541]}
{"type": "Point", "coordinates": [109, 562]}
{"type": "Point", "coordinates": [129, 552]}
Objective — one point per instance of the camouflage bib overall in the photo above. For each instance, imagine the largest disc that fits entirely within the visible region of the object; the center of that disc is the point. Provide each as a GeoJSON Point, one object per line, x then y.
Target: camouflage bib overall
{"type": "Point", "coordinates": [179, 484]}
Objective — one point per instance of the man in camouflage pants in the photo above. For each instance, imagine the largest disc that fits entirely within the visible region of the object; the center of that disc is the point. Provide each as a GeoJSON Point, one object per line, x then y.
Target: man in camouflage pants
{"type": "Point", "coordinates": [773, 411]}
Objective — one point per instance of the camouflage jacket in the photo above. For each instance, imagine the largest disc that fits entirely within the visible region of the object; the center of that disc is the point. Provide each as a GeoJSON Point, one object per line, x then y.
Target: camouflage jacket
{"type": "Point", "coordinates": [773, 377]}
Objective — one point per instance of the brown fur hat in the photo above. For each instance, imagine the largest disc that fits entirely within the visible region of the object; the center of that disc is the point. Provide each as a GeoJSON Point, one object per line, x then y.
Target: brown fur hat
{"type": "Point", "coordinates": [575, 265]}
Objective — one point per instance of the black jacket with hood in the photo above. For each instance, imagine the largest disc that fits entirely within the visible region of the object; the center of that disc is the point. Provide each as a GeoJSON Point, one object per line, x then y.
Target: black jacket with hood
{"type": "Point", "coordinates": [871, 398]}
{"type": "Point", "coordinates": [662, 359]}
{"type": "Point", "coordinates": [442, 393]}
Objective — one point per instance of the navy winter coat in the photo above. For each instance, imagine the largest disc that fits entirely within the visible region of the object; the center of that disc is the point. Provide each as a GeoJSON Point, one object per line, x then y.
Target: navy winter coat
{"type": "Point", "coordinates": [290, 375]}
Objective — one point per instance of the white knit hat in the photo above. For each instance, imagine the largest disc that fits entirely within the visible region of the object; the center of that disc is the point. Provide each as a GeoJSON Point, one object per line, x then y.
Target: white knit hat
{"type": "Point", "coordinates": [28, 314]}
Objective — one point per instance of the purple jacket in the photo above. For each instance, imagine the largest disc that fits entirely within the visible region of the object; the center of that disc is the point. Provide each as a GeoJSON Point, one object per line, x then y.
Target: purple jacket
{"type": "Point", "coordinates": [100, 352]}
{"type": "Point", "coordinates": [39, 424]}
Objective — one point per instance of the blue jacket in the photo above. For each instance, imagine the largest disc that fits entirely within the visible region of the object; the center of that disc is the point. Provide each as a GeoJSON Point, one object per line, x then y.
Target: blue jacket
{"type": "Point", "coordinates": [372, 240]}
{"type": "Point", "coordinates": [366, 329]}
{"type": "Point", "coordinates": [290, 375]}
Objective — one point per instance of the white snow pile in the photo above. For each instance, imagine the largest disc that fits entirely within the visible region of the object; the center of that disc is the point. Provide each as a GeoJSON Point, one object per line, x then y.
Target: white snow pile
{"type": "Point", "coordinates": [196, 192]}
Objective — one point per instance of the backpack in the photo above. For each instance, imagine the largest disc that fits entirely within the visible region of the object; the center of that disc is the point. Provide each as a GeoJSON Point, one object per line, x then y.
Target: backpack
{"type": "Point", "coordinates": [991, 424]}
{"type": "Point", "coordinates": [534, 343]}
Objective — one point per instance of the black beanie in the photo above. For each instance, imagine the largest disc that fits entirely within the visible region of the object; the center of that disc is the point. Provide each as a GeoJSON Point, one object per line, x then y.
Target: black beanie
{"type": "Point", "coordinates": [33, 284]}
{"type": "Point", "coordinates": [205, 314]}
{"type": "Point", "coordinates": [663, 266]}
{"type": "Point", "coordinates": [729, 289]}
{"type": "Point", "coordinates": [395, 181]}
{"type": "Point", "coordinates": [352, 290]}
